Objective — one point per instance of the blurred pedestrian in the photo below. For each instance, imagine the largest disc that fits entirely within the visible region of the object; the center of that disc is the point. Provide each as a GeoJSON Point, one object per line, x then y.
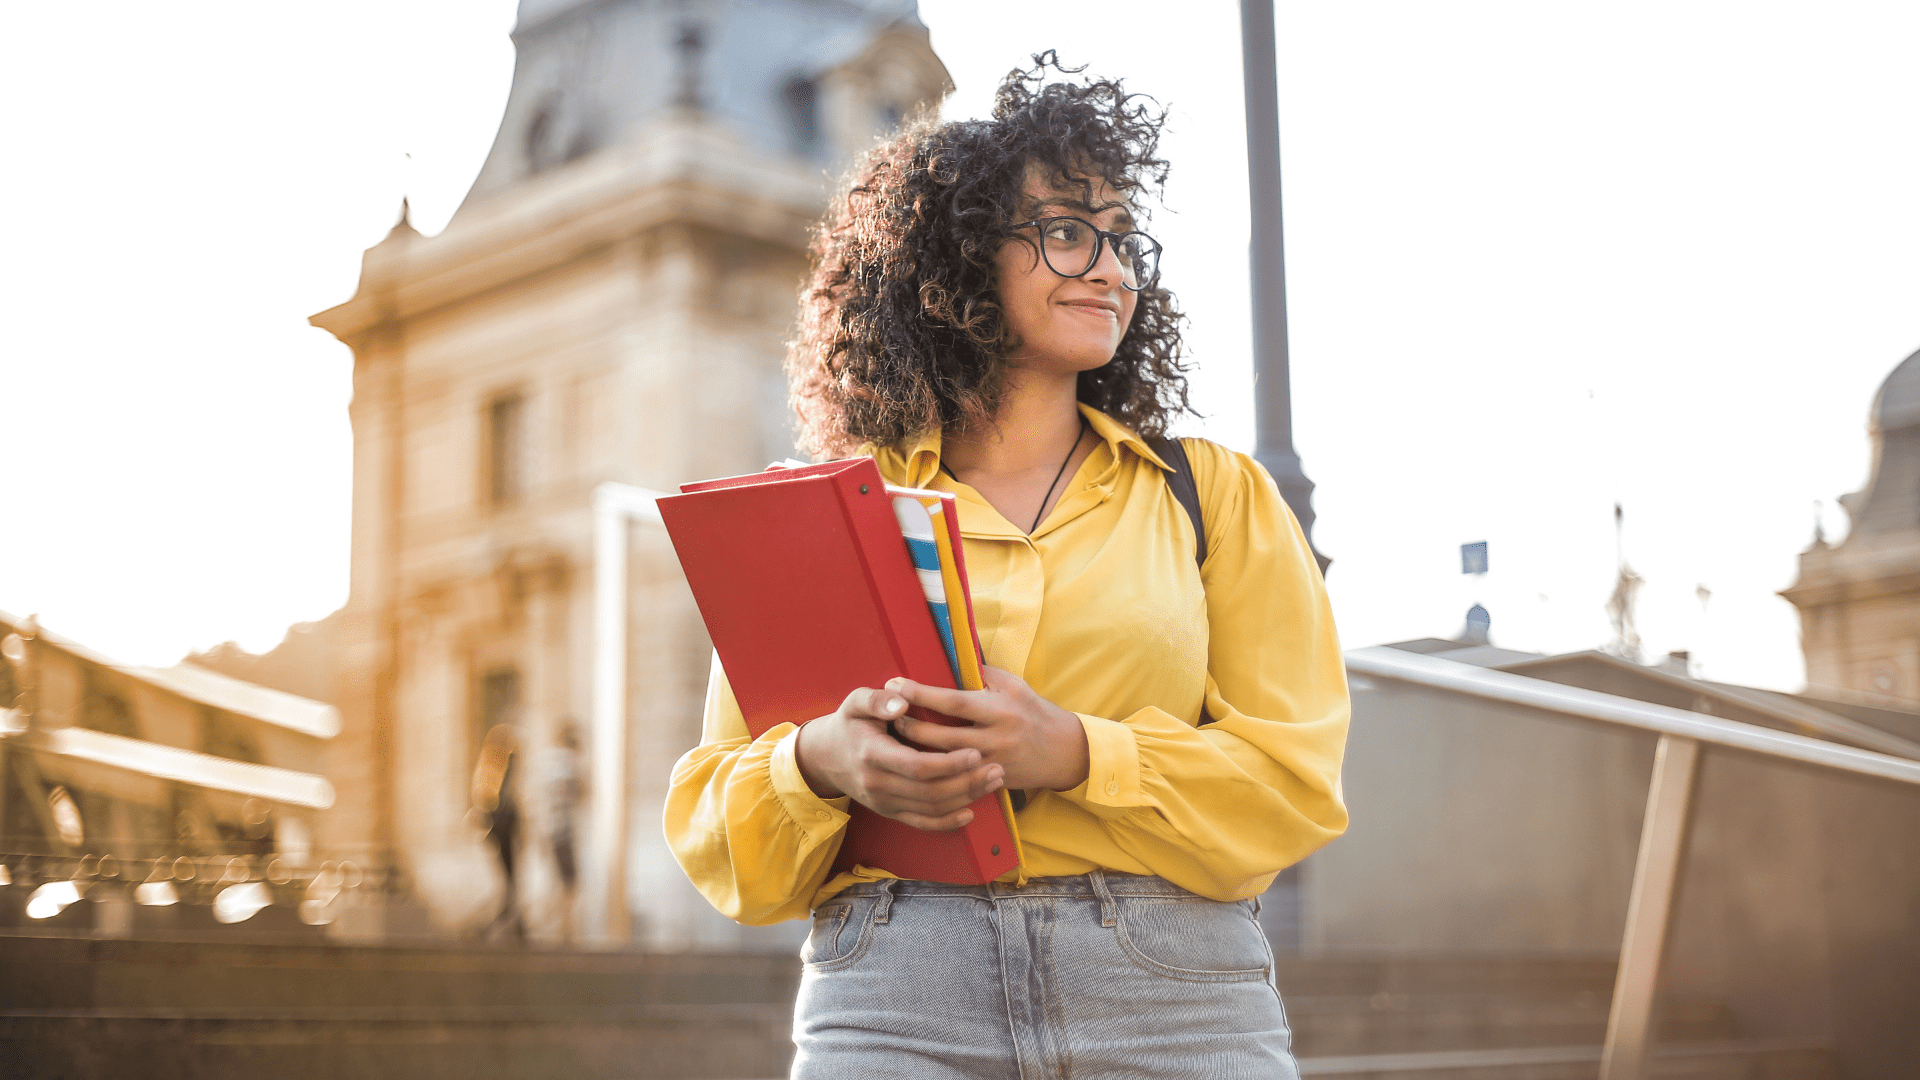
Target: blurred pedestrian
{"type": "Point", "coordinates": [494, 800]}
{"type": "Point", "coordinates": [564, 788]}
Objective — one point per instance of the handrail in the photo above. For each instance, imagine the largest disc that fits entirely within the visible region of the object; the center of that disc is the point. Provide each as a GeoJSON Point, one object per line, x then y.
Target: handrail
{"type": "Point", "coordinates": [1806, 719]}
{"type": "Point", "coordinates": [1663, 829]}
{"type": "Point", "coordinates": [1385, 663]}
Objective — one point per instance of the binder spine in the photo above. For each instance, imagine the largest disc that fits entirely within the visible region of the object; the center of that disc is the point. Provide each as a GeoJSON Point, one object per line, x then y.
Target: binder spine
{"type": "Point", "coordinates": [890, 575]}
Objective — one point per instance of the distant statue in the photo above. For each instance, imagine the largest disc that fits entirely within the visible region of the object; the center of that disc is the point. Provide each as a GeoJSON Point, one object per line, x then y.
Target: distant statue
{"type": "Point", "coordinates": [1626, 589]}
{"type": "Point", "coordinates": [493, 799]}
{"type": "Point", "coordinates": [1626, 638]}
{"type": "Point", "coordinates": [1479, 626]}
{"type": "Point", "coordinates": [689, 46]}
{"type": "Point", "coordinates": [563, 788]}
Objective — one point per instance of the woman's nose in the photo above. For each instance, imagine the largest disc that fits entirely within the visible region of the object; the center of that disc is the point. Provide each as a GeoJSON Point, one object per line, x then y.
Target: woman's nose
{"type": "Point", "coordinates": [1106, 266]}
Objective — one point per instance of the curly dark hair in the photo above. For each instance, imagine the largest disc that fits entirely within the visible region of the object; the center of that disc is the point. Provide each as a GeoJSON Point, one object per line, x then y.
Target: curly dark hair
{"type": "Point", "coordinates": [900, 330]}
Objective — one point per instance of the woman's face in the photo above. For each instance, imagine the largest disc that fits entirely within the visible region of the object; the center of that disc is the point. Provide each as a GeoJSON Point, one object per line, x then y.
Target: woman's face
{"type": "Point", "coordinates": [1063, 324]}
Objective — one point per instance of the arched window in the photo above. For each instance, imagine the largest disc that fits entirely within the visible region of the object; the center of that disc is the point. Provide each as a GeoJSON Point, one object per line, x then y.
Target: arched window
{"type": "Point", "coordinates": [505, 451]}
{"type": "Point", "coordinates": [104, 709]}
{"type": "Point", "coordinates": [800, 95]}
{"type": "Point", "coordinates": [498, 702]}
{"type": "Point", "coordinates": [542, 139]}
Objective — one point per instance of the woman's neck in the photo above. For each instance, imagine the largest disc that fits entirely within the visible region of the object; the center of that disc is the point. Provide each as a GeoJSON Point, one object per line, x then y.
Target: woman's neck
{"type": "Point", "coordinates": [1035, 426]}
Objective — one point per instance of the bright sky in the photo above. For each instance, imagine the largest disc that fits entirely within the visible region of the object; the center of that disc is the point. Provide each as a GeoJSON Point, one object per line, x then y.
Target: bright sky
{"type": "Point", "coordinates": [1542, 258]}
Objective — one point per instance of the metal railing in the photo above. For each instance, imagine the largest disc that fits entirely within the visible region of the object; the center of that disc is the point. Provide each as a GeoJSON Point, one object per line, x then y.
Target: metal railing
{"type": "Point", "coordinates": [236, 884]}
{"type": "Point", "coordinates": [1664, 829]}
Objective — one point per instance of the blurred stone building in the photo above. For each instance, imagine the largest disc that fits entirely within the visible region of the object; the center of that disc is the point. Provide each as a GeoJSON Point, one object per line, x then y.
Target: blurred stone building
{"type": "Point", "coordinates": [609, 303]}
{"type": "Point", "coordinates": [173, 799]}
{"type": "Point", "coordinates": [1857, 600]}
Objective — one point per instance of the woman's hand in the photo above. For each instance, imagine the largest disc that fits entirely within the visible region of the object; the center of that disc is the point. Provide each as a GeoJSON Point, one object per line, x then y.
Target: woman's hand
{"type": "Point", "coordinates": [1038, 743]}
{"type": "Point", "coordinates": [851, 752]}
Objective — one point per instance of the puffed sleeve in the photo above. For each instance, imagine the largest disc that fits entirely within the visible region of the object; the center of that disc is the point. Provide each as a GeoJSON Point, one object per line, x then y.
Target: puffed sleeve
{"type": "Point", "coordinates": [750, 834]}
{"type": "Point", "coordinates": [1221, 808]}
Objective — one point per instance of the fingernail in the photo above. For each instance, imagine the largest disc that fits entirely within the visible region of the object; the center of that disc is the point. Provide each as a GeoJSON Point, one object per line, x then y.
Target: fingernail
{"type": "Point", "coordinates": [895, 683]}
{"type": "Point", "coordinates": [894, 704]}
{"type": "Point", "coordinates": [995, 785]}
{"type": "Point", "coordinates": [966, 817]}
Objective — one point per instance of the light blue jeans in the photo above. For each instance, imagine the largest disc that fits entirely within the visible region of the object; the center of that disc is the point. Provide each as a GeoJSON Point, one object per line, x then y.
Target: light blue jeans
{"type": "Point", "coordinates": [1105, 975]}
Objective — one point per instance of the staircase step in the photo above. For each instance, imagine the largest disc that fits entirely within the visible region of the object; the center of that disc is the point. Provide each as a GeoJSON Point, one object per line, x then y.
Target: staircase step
{"type": "Point", "coordinates": [671, 1043]}
{"type": "Point", "coordinates": [1725, 1060]}
{"type": "Point", "coordinates": [1385, 1023]}
{"type": "Point", "coordinates": [72, 973]}
{"type": "Point", "coordinates": [173, 1008]}
{"type": "Point", "coordinates": [1362, 975]}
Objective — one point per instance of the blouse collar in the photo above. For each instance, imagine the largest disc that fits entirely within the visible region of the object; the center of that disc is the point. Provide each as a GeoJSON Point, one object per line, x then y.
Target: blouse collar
{"type": "Point", "coordinates": [916, 463]}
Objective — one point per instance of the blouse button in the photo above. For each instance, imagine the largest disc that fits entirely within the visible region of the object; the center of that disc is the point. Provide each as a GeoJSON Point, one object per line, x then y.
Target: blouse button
{"type": "Point", "coordinates": [1113, 788]}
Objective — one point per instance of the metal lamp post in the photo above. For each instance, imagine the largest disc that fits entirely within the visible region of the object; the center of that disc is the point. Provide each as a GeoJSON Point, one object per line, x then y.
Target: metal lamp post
{"type": "Point", "coordinates": [1273, 393]}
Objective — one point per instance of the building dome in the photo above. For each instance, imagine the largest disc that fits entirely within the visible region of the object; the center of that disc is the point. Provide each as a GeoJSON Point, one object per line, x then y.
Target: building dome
{"type": "Point", "coordinates": [1891, 500]}
{"type": "Point", "coordinates": [1897, 405]}
{"type": "Point", "coordinates": [810, 82]}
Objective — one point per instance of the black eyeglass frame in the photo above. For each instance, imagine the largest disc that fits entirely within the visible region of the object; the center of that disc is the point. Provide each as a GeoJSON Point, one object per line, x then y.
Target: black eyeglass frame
{"type": "Point", "coordinates": [1101, 238]}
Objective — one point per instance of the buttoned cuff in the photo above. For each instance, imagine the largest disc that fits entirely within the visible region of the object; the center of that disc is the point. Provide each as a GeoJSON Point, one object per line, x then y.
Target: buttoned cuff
{"type": "Point", "coordinates": [819, 818]}
{"type": "Point", "coordinates": [1113, 764]}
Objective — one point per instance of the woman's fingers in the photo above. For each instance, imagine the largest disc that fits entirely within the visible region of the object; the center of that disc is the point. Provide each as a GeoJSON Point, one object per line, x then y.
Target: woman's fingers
{"type": "Point", "coordinates": [947, 792]}
{"type": "Point", "coordinates": [941, 823]}
{"type": "Point", "coordinates": [942, 737]}
{"type": "Point", "coordinates": [971, 705]}
{"type": "Point", "coordinates": [893, 778]}
{"type": "Point", "coordinates": [868, 703]}
{"type": "Point", "coordinates": [998, 679]}
{"type": "Point", "coordinates": [928, 788]}
{"type": "Point", "coordinates": [882, 753]}
{"type": "Point", "coordinates": [929, 803]}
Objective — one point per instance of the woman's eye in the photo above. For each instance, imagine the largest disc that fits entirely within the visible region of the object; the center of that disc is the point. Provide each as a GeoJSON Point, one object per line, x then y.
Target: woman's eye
{"type": "Point", "coordinates": [1067, 232]}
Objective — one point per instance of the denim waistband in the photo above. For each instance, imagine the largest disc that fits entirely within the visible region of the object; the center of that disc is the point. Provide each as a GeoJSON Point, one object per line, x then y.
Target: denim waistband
{"type": "Point", "coordinates": [1082, 885]}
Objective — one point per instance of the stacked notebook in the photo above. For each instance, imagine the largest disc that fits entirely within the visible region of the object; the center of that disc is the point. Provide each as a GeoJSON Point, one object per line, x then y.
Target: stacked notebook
{"type": "Point", "coordinates": [819, 579]}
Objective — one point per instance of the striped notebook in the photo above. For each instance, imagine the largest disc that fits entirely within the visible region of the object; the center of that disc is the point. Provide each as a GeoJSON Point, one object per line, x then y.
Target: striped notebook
{"type": "Point", "coordinates": [930, 522]}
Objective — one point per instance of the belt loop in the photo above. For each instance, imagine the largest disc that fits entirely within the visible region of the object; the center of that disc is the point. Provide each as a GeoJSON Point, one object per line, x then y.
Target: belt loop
{"type": "Point", "coordinates": [1109, 911]}
{"type": "Point", "coordinates": [885, 906]}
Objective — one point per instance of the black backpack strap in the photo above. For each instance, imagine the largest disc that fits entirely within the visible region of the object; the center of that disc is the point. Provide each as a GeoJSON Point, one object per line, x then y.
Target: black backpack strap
{"type": "Point", "coordinates": [1180, 482]}
{"type": "Point", "coordinates": [1187, 493]}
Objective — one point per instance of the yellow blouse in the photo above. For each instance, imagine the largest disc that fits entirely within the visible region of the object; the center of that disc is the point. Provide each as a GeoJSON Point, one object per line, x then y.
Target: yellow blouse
{"type": "Point", "coordinates": [1102, 611]}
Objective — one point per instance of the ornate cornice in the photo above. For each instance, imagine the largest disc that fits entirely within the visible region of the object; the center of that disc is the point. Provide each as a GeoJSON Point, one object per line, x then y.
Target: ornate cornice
{"type": "Point", "coordinates": [681, 172]}
{"type": "Point", "coordinates": [1863, 568]}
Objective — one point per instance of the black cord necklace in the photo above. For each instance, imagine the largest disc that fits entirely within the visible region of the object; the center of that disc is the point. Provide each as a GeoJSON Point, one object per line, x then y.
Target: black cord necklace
{"type": "Point", "coordinates": [1071, 450]}
{"type": "Point", "coordinates": [1077, 436]}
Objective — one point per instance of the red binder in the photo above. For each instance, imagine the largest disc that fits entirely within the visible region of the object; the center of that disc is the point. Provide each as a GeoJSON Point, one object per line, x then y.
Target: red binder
{"type": "Point", "coordinates": [808, 592]}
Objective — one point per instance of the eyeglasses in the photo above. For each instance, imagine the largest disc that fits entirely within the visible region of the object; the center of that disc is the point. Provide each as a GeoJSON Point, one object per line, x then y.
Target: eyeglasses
{"type": "Point", "coordinates": [1071, 247]}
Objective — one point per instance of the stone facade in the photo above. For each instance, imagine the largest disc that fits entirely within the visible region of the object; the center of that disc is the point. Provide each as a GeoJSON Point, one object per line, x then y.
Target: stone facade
{"type": "Point", "coordinates": [116, 776]}
{"type": "Point", "coordinates": [610, 303]}
{"type": "Point", "coordinates": [1859, 600]}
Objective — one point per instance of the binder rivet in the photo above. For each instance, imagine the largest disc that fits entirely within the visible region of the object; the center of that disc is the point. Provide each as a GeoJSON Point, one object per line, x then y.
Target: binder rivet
{"type": "Point", "coordinates": [863, 489]}
{"type": "Point", "coordinates": [996, 849]}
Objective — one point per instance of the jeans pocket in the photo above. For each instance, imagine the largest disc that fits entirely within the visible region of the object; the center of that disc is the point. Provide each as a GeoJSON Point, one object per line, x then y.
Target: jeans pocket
{"type": "Point", "coordinates": [1194, 940]}
{"type": "Point", "coordinates": [839, 933]}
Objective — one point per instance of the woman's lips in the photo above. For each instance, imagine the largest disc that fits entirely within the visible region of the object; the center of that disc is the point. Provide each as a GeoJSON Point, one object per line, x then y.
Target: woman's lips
{"type": "Point", "coordinates": [1105, 309]}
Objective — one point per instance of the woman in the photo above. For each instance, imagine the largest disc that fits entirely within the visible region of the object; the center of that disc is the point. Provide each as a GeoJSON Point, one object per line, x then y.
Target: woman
{"type": "Point", "coordinates": [985, 318]}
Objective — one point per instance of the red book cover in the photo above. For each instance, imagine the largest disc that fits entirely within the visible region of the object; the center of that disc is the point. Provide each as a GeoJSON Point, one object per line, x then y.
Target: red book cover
{"type": "Point", "coordinates": [808, 592]}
